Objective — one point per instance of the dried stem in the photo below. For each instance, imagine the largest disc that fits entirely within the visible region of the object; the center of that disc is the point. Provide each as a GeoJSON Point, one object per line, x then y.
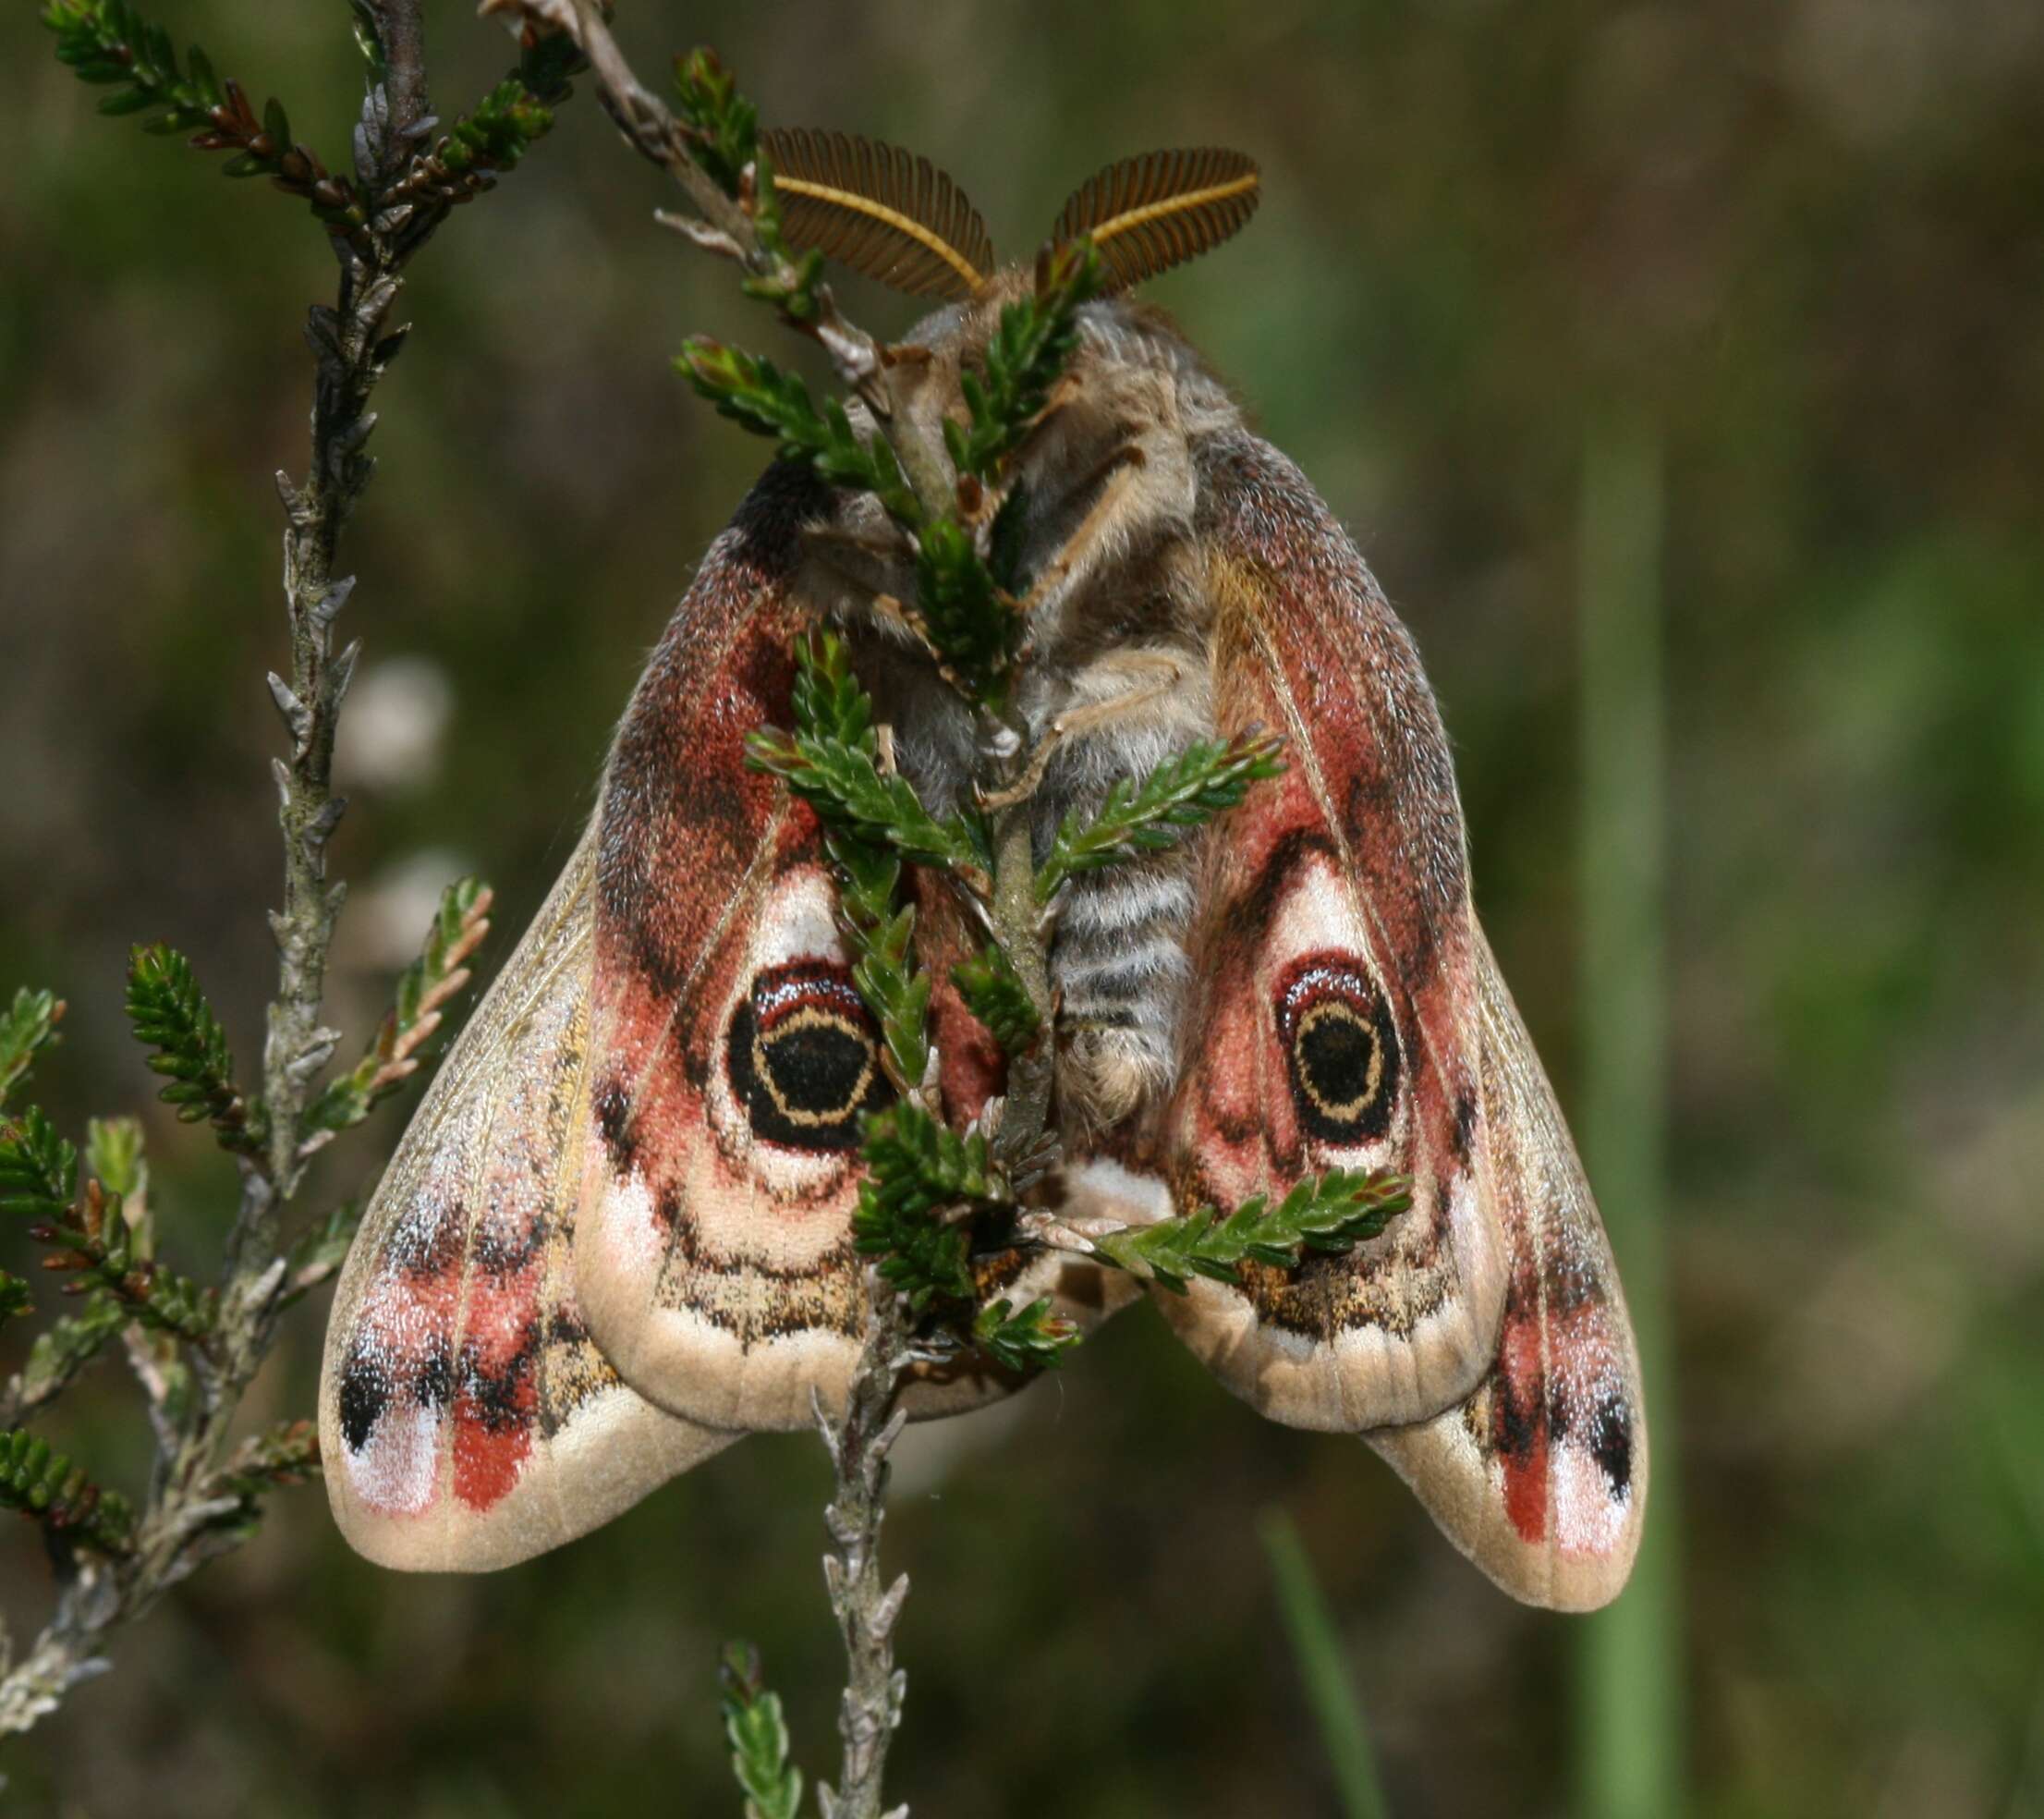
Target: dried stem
{"type": "Point", "coordinates": [864, 1609]}
{"type": "Point", "coordinates": [401, 25]}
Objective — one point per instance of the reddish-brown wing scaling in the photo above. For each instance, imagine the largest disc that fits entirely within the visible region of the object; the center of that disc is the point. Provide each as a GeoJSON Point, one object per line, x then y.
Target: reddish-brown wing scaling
{"type": "Point", "coordinates": [735, 1061]}
{"type": "Point", "coordinates": [465, 1419]}
{"type": "Point", "coordinates": [1334, 1013]}
{"type": "Point", "coordinates": [1540, 1476]}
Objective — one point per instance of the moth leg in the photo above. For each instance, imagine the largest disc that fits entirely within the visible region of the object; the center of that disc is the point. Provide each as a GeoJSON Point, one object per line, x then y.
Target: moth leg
{"type": "Point", "coordinates": [1102, 535]}
{"type": "Point", "coordinates": [859, 549]}
{"type": "Point", "coordinates": [1091, 718]}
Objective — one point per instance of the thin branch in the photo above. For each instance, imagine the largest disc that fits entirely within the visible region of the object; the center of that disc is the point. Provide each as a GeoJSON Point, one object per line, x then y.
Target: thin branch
{"type": "Point", "coordinates": [401, 27]}
{"type": "Point", "coordinates": [1018, 927]}
{"type": "Point", "coordinates": [652, 128]}
{"type": "Point", "coordinates": [353, 344]}
{"type": "Point", "coordinates": [865, 1609]}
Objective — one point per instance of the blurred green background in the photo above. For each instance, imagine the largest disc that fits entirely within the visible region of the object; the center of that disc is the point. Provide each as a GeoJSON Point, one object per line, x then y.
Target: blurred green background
{"type": "Point", "coordinates": [1779, 264]}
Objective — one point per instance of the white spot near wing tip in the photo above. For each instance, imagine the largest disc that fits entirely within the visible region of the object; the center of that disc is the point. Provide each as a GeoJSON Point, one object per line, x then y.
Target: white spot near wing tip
{"type": "Point", "coordinates": [1588, 1517]}
{"type": "Point", "coordinates": [801, 923]}
{"type": "Point", "coordinates": [396, 1471]}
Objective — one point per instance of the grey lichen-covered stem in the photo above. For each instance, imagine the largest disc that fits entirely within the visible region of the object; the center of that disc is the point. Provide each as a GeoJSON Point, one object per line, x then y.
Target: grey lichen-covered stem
{"type": "Point", "coordinates": [190, 1513]}
{"type": "Point", "coordinates": [865, 1608]}
{"type": "Point", "coordinates": [352, 342]}
{"type": "Point", "coordinates": [63, 1654]}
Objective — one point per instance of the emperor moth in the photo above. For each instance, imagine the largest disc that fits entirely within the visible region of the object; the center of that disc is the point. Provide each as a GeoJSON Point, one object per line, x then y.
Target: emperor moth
{"type": "Point", "coordinates": [616, 1235]}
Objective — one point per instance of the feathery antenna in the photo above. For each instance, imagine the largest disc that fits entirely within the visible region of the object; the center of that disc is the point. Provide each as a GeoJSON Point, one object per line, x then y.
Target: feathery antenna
{"type": "Point", "coordinates": [1147, 215]}
{"type": "Point", "coordinates": [880, 210]}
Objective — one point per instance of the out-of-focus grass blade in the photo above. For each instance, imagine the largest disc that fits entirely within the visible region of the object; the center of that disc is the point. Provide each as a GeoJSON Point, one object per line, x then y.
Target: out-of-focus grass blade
{"type": "Point", "coordinates": [1317, 1652]}
{"type": "Point", "coordinates": [1629, 1716]}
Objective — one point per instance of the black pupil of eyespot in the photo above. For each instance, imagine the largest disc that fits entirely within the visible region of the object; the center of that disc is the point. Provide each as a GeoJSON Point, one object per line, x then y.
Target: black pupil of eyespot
{"type": "Point", "coordinates": [1342, 1049]}
{"type": "Point", "coordinates": [818, 1061]}
{"type": "Point", "coordinates": [804, 1057]}
{"type": "Point", "coordinates": [1336, 1049]}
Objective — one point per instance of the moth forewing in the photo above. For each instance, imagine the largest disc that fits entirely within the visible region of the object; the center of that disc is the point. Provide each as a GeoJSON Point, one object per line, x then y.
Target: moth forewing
{"type": "Point", "coordinates": [465, 1419]}
{"type": "Point", "coordinates": [1334, 1011]}
{"type": "Point", "coordinates": [733, 1060]}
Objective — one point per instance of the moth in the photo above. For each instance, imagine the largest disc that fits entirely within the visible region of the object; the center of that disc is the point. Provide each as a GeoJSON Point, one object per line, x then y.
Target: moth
{"type": "Point", "coordinates": [616, 1235]}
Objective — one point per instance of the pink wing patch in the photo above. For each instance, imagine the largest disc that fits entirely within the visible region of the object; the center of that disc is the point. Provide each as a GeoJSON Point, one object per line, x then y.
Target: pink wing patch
{"type": "Point", "coordinates": [439, 1392]}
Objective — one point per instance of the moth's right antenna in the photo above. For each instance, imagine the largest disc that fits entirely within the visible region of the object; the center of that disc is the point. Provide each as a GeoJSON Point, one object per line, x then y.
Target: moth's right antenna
{"type": "Point", "coordinates": [1147, 215]}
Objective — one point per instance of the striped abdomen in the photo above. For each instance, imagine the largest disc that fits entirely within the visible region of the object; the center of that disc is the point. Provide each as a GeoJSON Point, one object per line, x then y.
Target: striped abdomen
{"type": "Point", "coordinates": [1119, 966]}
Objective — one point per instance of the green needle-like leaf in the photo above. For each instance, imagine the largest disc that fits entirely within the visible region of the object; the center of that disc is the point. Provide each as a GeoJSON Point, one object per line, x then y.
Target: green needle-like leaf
{"type": "Point", "coordinates": [751, 390]}
{"type": "Point", "coordinates": [1034, 1339]}
{"type": "Point", "coordinates": [993, 991]}
{"type": "Point", "coordinates": [287, 1453]}
{"type": "Point", "coordinates": [1206, 779]}
{"type": "Point", "coordinates": [846, 788]}
{"type": "Point", "coordinates": [1029, 347]}
{"type": "Point", "coordinates": [897, 991]}
{"type": "Point", "coordinates": [758, 1734]}
{"type": "Point", "coordinates": [424, 991]}
{"type": "Point", "coordinates": [97, 1248]}
{"type": "Point", "coordinates": [27, 1028]}
{"type": "Point", "coordinates": [832, 762]}
{"type": "Point", "coordinates": [1331, 1214]}
{"type": "Point", "coordinates": [170, 1013]}
{"type": "Point", "coordinates": [38, 1169]}
{"type": "Point", "coordinates": [722, 125]}
{"type": "Point", "coordinates": [70, 1507]}
{"type": "Point", "coordinates": [91, 1239]}
{"type": "Point", "coordinates": [976, 630]}
{"type": "Point", "coordinates": [65, 1348]}
{"type": "Point", "coordinates": [114, 1155]}
{"type": "Point", "coordinates": [104, 41]}
{"type": "Point", "coordinates": [320, 1251]}
{"type": "Point", "coordinates": [14, 1298]}
{"type": "Point", "coordinates": [919, 1169]}
{"type": "Point", "coordinates": [504, 125]}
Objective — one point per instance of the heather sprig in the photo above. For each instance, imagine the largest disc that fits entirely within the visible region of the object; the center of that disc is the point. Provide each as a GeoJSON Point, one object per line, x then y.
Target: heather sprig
{"type": "Point", "coordinates": [195, 1343]}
